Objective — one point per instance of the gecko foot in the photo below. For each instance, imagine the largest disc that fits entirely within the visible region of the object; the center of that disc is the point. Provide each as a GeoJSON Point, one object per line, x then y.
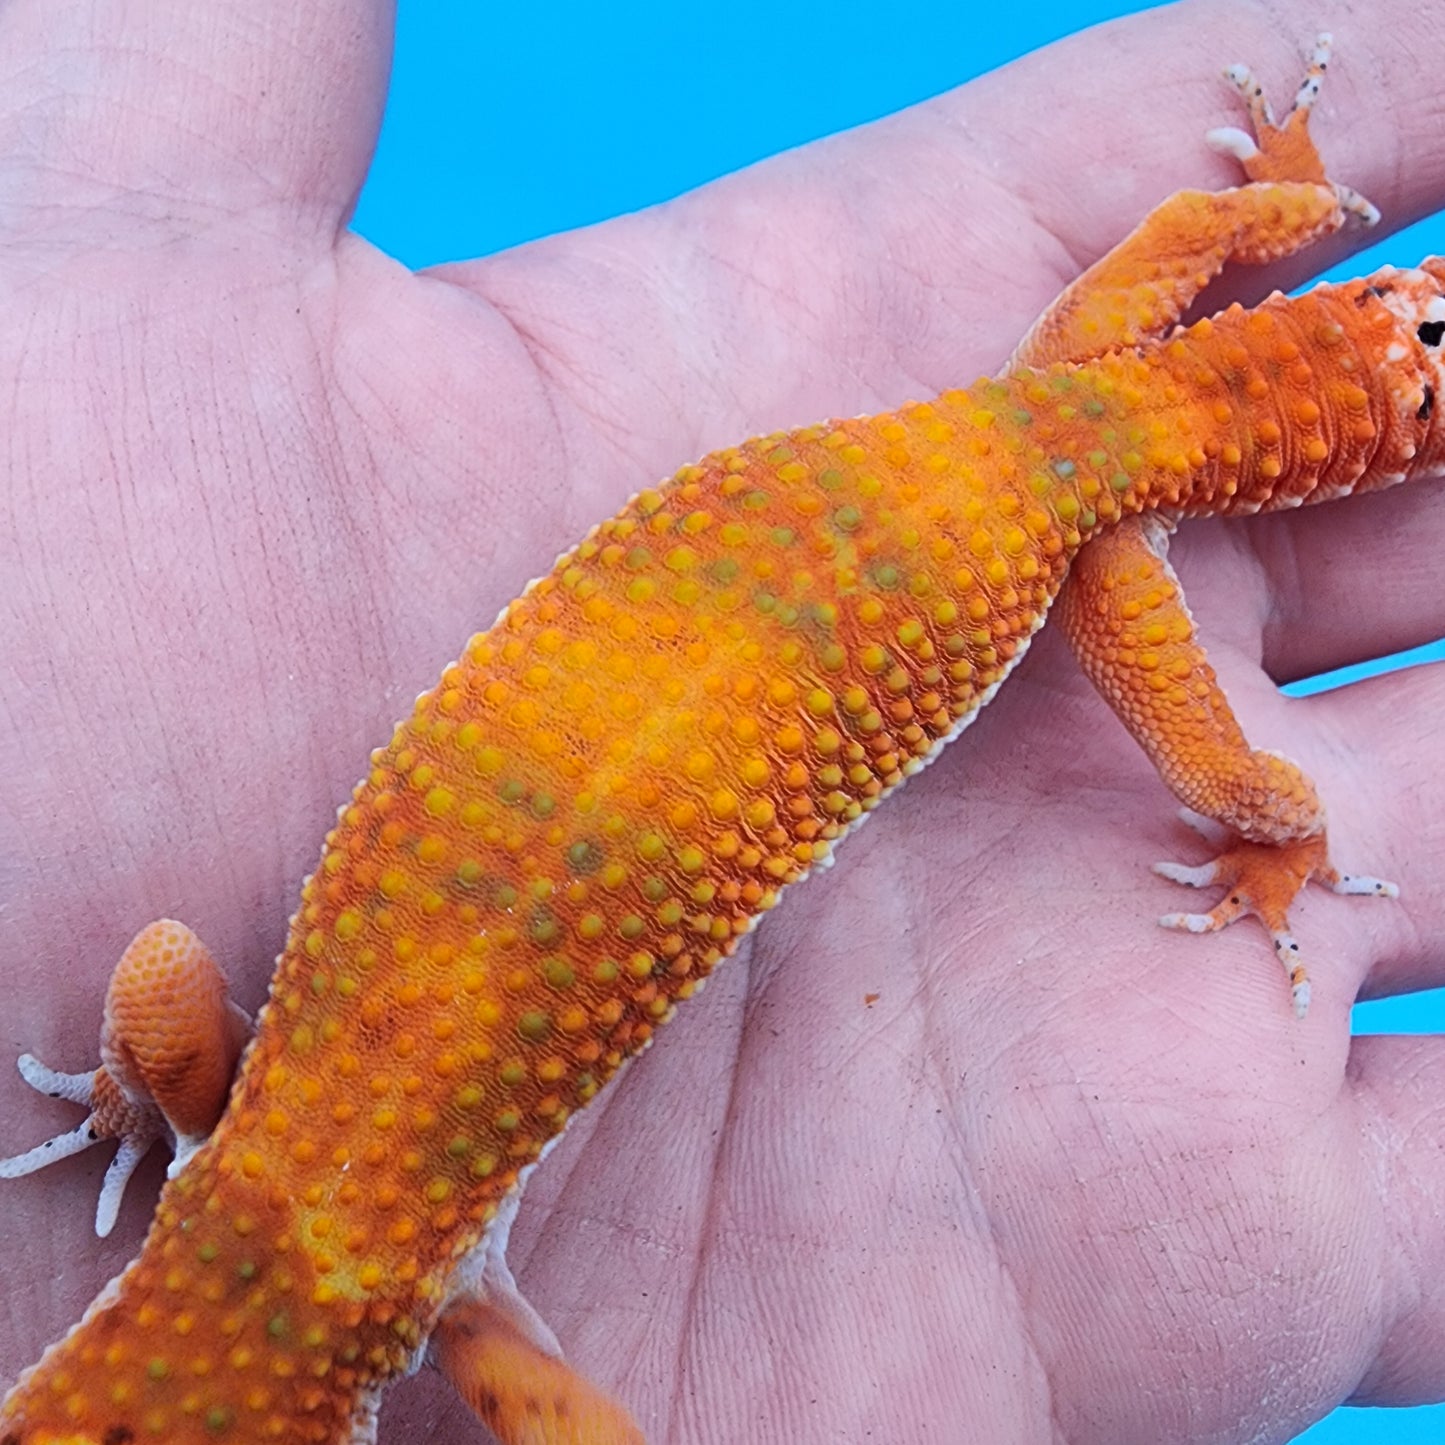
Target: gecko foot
{"type": "Point", "coordinates": [1284, 151]}
{"type": "Point", "coordinates": [1262, 880]}
{"type": "Point", "coordinates": [112, 1116]}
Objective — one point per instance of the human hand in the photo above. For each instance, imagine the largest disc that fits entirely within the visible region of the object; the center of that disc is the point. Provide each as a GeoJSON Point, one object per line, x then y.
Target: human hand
{"type": "Point", "coordinates": [1066, 1174]}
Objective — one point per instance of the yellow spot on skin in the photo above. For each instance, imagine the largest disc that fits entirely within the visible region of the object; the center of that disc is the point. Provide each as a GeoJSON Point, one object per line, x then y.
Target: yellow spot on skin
{"type": "Point", "coordinates": [348, 925]}
{"type": "Point", "coordinates": [440, 802]}
{"type": "Point", "coordinates": [723, 804]}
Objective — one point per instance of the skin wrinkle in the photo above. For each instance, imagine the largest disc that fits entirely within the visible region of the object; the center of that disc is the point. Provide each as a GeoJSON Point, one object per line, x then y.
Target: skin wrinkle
{"type": "Point", "coordinates": [747, 270]}
{"type": "Point", "coordinates": [972, 1190]}
{"type": "Point", "coordinates": [684, 213]}
{"type": "Point", "coordinates": [1404, 1179]}
{"type": "Point", "coordinates": [585, 398]}
{"type": "Point", "coordinates": [367, 608]}
{"type": "Point", "coordinates": [1279, 557]}
{"type": "Point", "coordinates": [550, 371]}
{"type": "Point", "coordinates": [153, 212]}
{"type": "Point", "coordinates": [542, 389]}
{"type": "Point", "coordinates": [23, 505]}
{"type": "Point", "coordinates": [703, 1258]}
{"type": "Point", "coordinates": [1387, 1149]}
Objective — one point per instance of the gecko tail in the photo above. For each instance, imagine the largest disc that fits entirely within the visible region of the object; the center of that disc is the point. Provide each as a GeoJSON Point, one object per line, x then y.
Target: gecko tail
{"type": "Point", "coordinates": [117, 1379]}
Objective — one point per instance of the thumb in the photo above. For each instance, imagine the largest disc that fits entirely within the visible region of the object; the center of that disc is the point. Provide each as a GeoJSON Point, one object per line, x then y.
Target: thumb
{"type": "Point", "coordinates": [172, 112]}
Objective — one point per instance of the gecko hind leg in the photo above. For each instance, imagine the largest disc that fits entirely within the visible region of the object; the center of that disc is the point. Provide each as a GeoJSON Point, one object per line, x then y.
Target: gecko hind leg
{"type": "Point", "coordinates": [168, 1048]}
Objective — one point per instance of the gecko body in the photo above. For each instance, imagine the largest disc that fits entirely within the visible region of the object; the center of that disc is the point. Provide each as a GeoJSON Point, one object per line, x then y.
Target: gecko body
{"type": "Point", "coordinates": [614, 783]}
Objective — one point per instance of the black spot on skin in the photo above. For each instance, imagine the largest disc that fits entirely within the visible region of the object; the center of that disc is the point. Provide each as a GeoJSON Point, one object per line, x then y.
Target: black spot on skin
{"type": "Point", "coordinates": [1372, 291]}
{"type": "Point", "coordinates": [119, 1435]}
{"type": "Point", "coordinates": [1431, 332]}
{"type": "Point", "coordinates": [1428, 405]}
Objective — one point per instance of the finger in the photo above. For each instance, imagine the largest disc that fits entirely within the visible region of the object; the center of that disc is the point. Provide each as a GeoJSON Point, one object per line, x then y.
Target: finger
{"type": "Point", "coordinates": [1400, 1083]}
{"type": "Point", "coordinates": [1353, 581]}
{"type": "Point", "coordinates": [1373, 750]}
{"type": "Point", "coordinates": [186, 106]}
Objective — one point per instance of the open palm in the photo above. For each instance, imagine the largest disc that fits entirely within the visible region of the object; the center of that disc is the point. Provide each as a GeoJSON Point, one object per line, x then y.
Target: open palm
{"type": "Point", "coordinates": [964, 1148]}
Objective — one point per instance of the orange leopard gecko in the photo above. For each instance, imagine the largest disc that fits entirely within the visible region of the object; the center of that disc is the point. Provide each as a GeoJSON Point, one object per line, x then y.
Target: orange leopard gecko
{"type": "Point", "coordinates": [614, 783]}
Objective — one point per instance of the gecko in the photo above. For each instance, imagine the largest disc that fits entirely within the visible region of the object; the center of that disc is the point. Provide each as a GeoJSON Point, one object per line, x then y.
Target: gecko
{"type": "Point", "coordinates": [617, 781]}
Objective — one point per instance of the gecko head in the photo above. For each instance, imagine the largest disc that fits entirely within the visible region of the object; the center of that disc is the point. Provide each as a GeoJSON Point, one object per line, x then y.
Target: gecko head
{"type": "Point", "coordinates": [1416, 299]}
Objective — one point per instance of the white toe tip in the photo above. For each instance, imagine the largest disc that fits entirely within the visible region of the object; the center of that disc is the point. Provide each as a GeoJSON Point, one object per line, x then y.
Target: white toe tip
{"type": "Point", "coordinates": [1188, 922]}
{"type": "Point", "coordinates": [1191, 876]}
{"type": "Point", "coordinates": [1229, 140]}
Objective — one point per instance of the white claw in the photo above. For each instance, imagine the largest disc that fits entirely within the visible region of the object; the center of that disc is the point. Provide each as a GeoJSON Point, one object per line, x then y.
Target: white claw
{"type": "Point", "coordinates": [1287, 950]}
{"type": "Point", "coordinates": [1210, 829]}
{"type": "Point", "coordinates": [1363, 884]}
{"type": "Point", "coordinates": [1192, 877]}
{"type": "Point", "coordinates": [1188, 922]}
{"type": "Point", "coordinates": [1320, 57]}
{"type": "Point", "coordinates": [1230, 140]}
{"type": "Point", "coordinates": [1300, 993]}
{"type": "Point", "coordinates": [75, 1087]}
{"type": "Point", "coordinates": [112, 1190]}
{"type": "Point", "coordinates": [1354, 204]}
{"type": "Point", "coordinates": [1241, 77]}
{"type": "Point", "coordinates": [50, 1152]}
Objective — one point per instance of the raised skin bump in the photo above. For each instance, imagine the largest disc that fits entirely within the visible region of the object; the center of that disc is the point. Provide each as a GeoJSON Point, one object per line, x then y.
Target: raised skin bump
{"type": "Point", "coordinates": [613, 783]}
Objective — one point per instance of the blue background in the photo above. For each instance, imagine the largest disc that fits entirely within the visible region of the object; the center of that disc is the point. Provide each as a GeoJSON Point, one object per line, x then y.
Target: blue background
{"type": "Point", "coordinates": [502, 128]}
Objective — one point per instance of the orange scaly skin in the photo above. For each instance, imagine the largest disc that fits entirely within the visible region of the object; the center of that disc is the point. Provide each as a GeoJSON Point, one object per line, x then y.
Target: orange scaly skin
{"type": "Point", "coordinates": [615, 782]}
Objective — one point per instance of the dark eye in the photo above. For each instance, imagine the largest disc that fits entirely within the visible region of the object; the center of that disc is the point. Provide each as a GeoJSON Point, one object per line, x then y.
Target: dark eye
{"type": "Point", "coordinates": [1431, 332]}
